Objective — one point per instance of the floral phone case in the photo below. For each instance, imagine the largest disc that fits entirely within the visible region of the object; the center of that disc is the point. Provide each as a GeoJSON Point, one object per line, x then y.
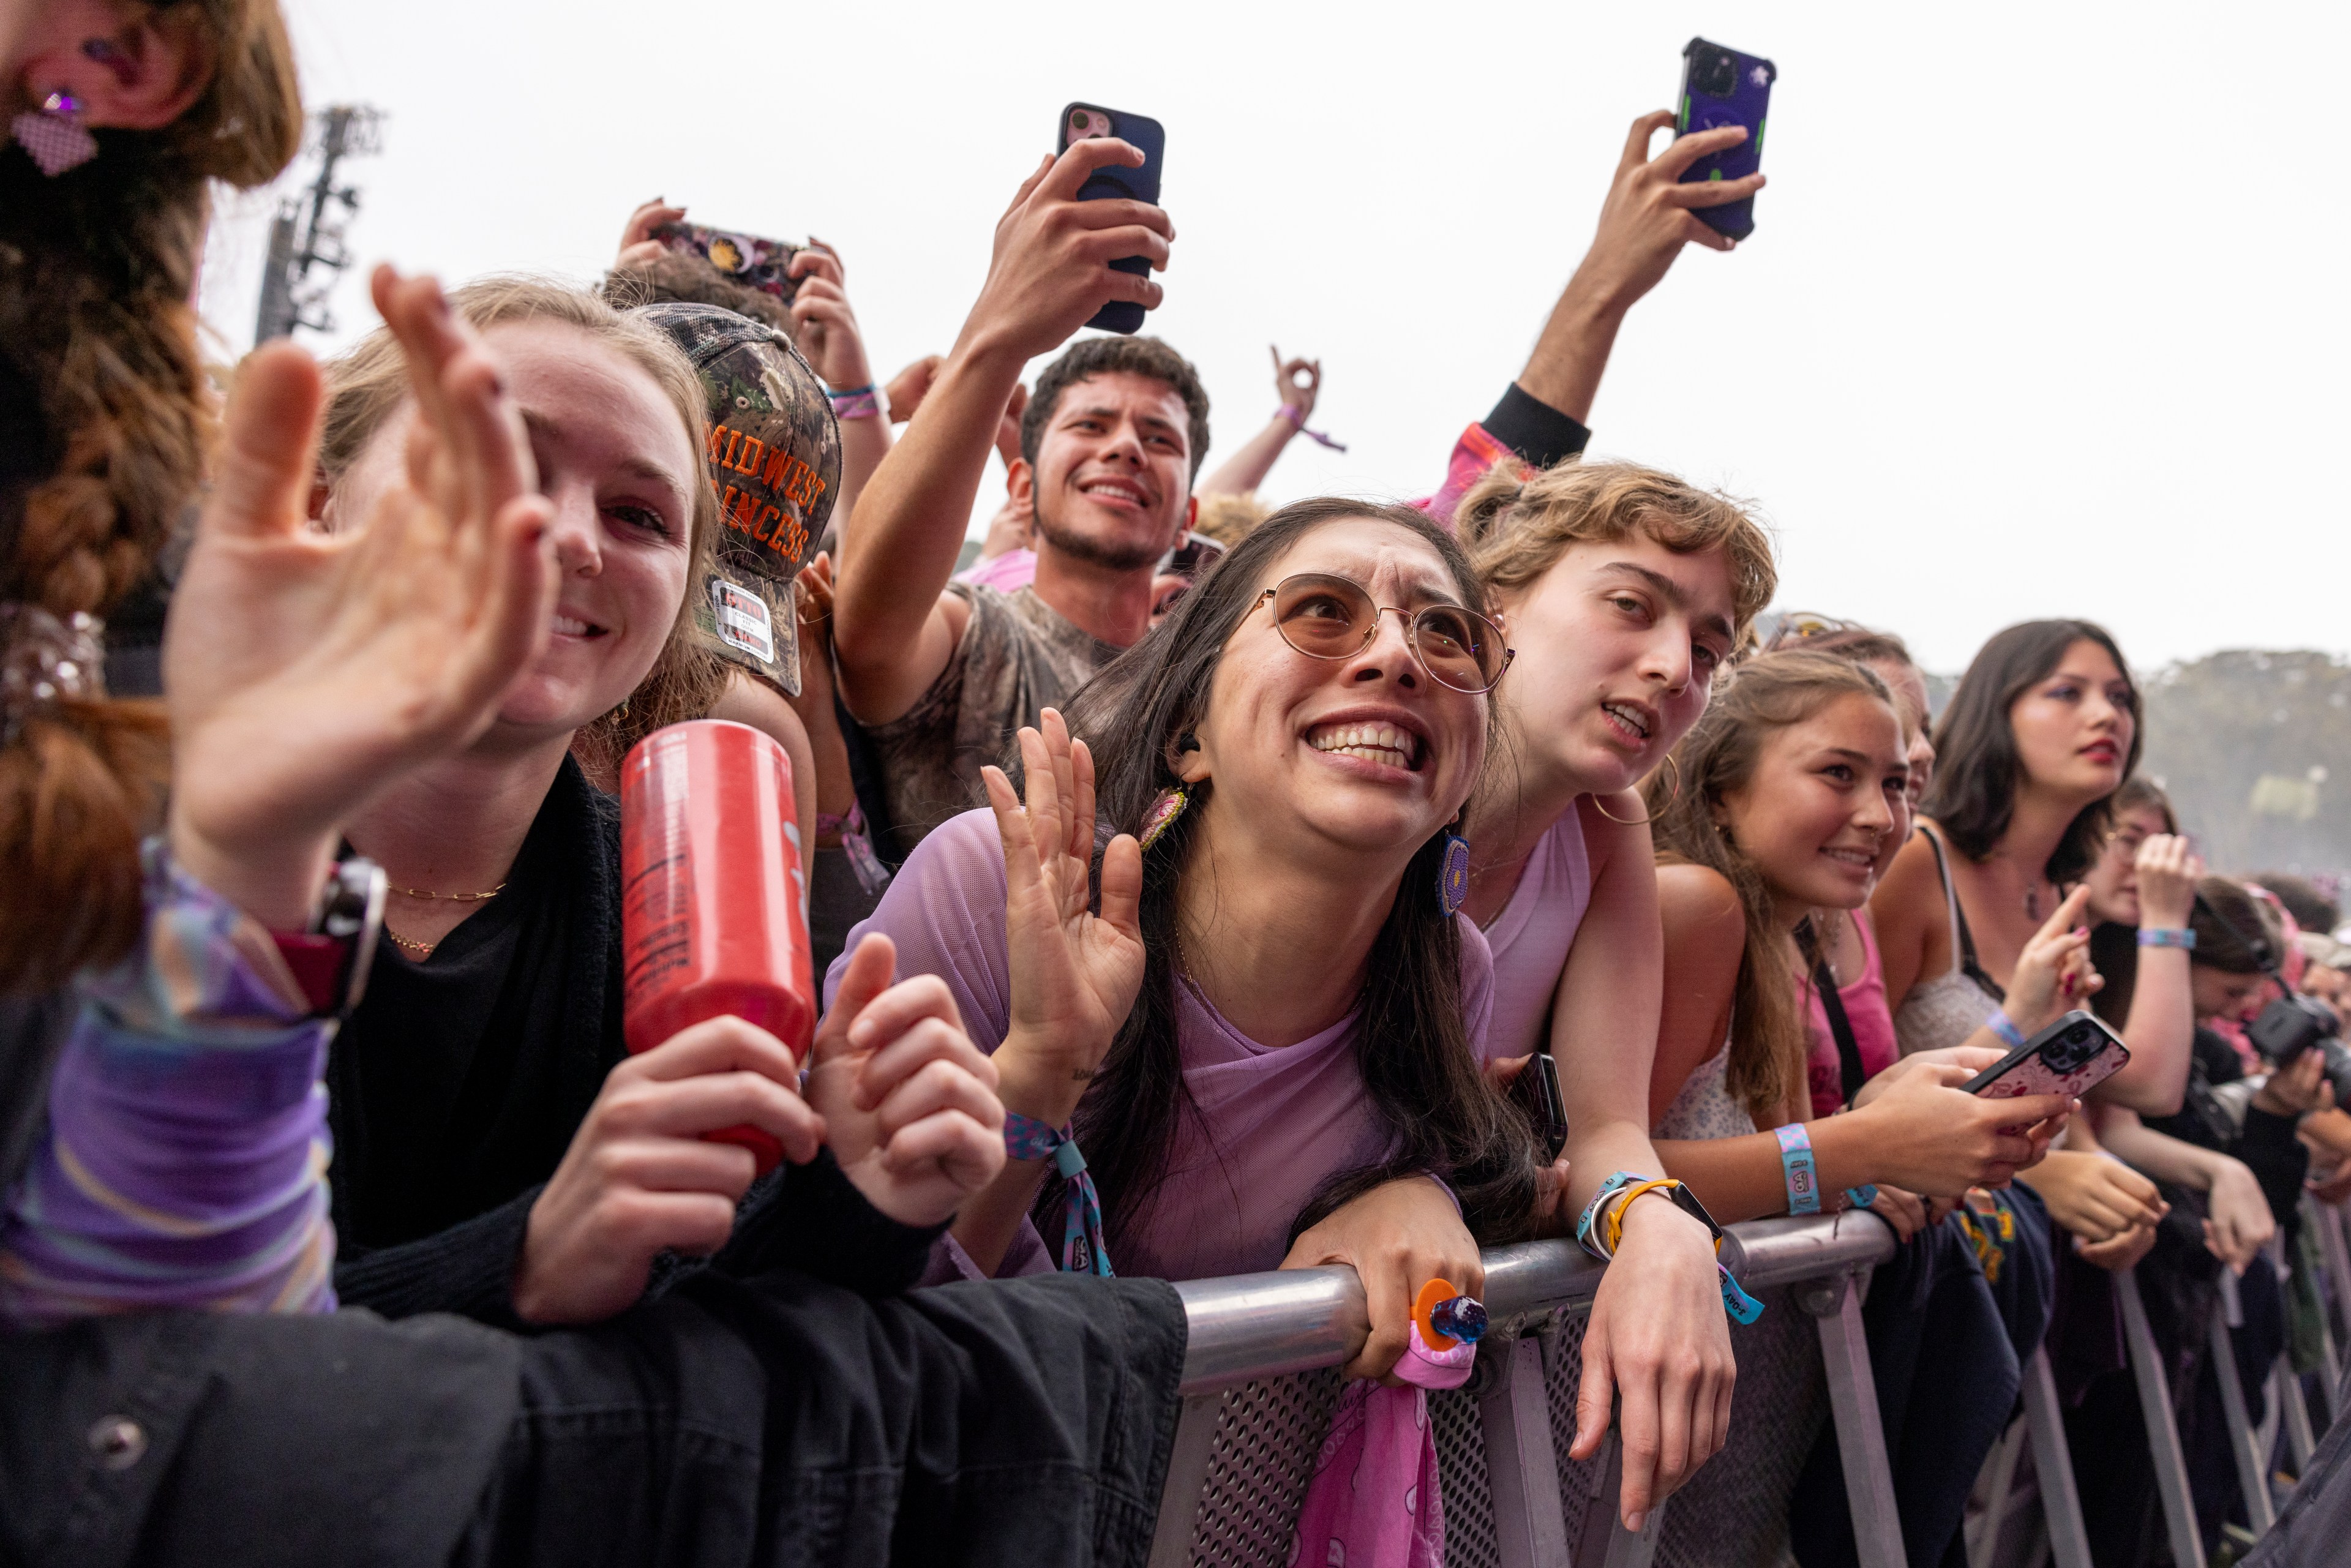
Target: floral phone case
{"type": "Point", "coordinates": [2072, 1056]}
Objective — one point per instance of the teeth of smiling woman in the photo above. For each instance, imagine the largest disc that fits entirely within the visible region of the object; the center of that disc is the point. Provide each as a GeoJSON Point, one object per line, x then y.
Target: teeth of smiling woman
{"type": "Point", "coordinates": [1371, 742]}
{"type": "Point", "coordinates": [565, 626]}
{"type": "Point", "coordinates": [1627, 718]}
{"type": "Point", "coordinates": [1852, 857]}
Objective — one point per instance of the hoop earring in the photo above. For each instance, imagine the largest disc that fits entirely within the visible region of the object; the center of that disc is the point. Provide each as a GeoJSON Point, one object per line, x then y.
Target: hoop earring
{"type": "Point", "coordinates": [1674, 795]}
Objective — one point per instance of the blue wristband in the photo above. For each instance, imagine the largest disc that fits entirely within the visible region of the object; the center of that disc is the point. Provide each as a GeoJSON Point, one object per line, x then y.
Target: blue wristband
{"type": "Point", "coordinates": [1617, 1182]}
{"type": "Point", "coordinates": [2000, 1024]}
{"type": "Point", "coordinates": [2167, 936]}
{"type": "Point", "coordinates": [1796, 1167]}
{"type": "Point", "coordinates": [1861, 1196]}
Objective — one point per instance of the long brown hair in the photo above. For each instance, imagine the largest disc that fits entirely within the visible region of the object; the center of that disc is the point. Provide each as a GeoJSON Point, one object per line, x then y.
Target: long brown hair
{"type": "Point", "coordinates": [366, 385]}
{"type": "Point", "coordinates": [1411, 1046]}
{"type": "Point", "coordinates": [97, 273]}
{"type": "Point", "coordinates": [1715, 759]}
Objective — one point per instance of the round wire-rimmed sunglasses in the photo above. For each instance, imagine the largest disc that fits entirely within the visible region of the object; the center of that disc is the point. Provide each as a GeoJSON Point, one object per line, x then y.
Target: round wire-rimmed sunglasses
{"type": "Point", "coordinates": [1328, 617]}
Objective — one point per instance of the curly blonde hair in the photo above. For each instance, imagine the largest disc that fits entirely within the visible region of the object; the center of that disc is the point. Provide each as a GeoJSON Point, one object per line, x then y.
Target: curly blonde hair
{"type": "Point", "coordinates": [1516, 525]}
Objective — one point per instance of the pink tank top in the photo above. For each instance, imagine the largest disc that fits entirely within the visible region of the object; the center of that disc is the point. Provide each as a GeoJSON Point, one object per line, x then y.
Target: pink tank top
{"type": "Point", "coordinates": [1865, 1010]}
{"type": "Point", "coordinates": [1531, 935]}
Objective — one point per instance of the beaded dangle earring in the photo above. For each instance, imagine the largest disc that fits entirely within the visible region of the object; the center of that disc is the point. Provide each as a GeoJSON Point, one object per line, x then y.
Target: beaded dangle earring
{"type": "Point", "coordinates": [1171, 802]}
{"type": "Point", "coordinates": [1453, 875]}
{"type": "Point", "coordinates": [53, 134]}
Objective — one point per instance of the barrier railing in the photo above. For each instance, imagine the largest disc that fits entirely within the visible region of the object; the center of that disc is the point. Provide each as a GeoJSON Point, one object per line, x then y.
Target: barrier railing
{"type": "Point", "coordinates": [1259, 1389]}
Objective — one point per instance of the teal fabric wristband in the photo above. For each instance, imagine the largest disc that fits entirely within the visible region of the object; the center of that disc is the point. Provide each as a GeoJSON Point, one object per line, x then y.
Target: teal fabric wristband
{"type": "Point", "coordinates": [1796, 1167]}
{"type": "Point", "coordinates": [2000, 1024]}
{"type": "Point", "coordinates": [2167, 936]}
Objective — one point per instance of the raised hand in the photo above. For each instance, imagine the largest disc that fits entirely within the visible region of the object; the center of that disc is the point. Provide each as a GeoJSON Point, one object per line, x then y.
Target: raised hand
{"type": "Point", "coordinates": [909, 1103]}
{"type": "Point", "coordinates": [1297, 383]}
{"type": "Point", "coordinates": [2053, 975]}
{"type": "Point", "coordinates": [829, 334]}
{"type": "Point", "coordinates": [1075, 973]}
{"type": "Point", "coordinates": [638, 247]}
{"type": "Point", "coordinates": [1649, 213]}
{"type": "Point", "coordinates": [1051, 270]}
{"type": "Point", "coordinates": [2167, 870]}
{"type": "Point", "coordinates": [305, 670]}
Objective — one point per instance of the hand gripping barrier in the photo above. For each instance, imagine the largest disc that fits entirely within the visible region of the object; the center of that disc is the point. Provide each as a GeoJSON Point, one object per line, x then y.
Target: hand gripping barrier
{"type": "Point", "coordinates": [1259, 1386]}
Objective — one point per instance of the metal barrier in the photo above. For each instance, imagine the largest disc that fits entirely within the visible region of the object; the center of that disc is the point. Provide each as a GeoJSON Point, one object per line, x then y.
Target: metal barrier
{"type": "Point", "coordinates": [1259, 1391]}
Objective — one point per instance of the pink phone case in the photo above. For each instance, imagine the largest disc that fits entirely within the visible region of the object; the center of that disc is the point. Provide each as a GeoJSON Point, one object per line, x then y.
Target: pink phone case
{"type": "Point", "coordinates": [2033, 1076]}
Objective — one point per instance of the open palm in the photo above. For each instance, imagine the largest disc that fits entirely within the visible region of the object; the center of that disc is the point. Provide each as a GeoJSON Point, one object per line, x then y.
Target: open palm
{"type": "Point", "coordinates": [1075, 972]}
{"type": "Point", "coordinates": [305, 670]}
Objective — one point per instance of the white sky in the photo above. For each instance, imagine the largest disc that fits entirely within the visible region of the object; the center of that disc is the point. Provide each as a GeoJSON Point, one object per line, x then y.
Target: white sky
{"type": "Point", "coordinates": [2043, 314]}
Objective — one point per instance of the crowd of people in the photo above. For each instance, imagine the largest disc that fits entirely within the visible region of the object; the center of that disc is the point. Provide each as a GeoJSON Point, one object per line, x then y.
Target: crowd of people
{"type": "Point", "coordinates": [1196, 885]}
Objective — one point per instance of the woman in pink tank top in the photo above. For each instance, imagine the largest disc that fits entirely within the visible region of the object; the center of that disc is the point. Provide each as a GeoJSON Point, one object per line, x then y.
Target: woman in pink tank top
{"type": "Point", "coordinates": [1623, 589]}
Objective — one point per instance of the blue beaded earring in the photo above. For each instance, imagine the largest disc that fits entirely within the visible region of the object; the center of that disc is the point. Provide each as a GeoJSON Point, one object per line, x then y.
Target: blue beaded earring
{"type": "Point", "coordinates": [1453, 875]}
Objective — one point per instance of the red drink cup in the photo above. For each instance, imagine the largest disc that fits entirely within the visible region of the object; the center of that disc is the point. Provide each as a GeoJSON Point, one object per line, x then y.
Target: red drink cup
{"type": "Point", "coordinates": [712, 919]}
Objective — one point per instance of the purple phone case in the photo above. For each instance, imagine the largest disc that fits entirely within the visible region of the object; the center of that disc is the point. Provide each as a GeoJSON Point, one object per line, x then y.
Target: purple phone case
{"type": "Point", "coordinates": [1748, 103]}
{"type": "Point", "coordinates": [1141, 184]}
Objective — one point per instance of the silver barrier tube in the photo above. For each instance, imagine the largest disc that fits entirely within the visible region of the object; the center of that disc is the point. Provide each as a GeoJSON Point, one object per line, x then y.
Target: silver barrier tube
{"type": "Point", "coordinates": [1835, 1309]}
{"type": "Point", "coordinates": [2244, 1446]}
{"type": "Point", "coordinates": [1253, 1326]}
{"type": "Point", "coordinates": [2285, 1392]}
{"type": "Point", "coordinates": [2053, 1466]}
{"type": "Point", "coordinates": [2327, 1219]}
{"type": "Point", "coordinates": [2162, 1431]}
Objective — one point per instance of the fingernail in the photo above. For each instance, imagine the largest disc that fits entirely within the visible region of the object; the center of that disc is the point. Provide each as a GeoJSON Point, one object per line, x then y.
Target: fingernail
{"type": "Point", "coordinates": [1633, 1522]}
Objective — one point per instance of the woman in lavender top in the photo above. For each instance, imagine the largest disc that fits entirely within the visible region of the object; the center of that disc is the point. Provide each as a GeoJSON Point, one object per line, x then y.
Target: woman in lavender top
{"type": "Point", "coordinates": [1267, 1033]}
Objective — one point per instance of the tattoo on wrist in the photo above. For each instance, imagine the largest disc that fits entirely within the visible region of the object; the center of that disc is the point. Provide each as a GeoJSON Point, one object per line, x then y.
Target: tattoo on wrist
{"type": "Point", "coordinates": [1082, 1074]}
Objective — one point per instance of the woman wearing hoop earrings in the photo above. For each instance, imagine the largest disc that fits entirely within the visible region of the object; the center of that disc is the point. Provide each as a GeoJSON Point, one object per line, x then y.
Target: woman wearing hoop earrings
{"type": "Point", "coordinates": [1267, 1035]}
{"type": "Point", "coordinates": [1623, 591]}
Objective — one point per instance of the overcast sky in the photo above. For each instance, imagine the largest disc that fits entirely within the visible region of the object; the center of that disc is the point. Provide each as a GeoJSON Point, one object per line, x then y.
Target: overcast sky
{"type": "Point", "coordinates": [2043, 314]}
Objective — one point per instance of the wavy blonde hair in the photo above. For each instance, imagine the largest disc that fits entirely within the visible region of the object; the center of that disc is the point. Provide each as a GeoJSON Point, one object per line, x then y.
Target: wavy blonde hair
{"type": "Point", "coordinates": [1516, 525]}
{"type": "Point", "coordinates": [366, 385]}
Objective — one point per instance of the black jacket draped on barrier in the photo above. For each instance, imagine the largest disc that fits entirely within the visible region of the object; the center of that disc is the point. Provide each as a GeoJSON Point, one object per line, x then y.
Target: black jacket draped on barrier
{"type": "Point", "coordinates": [776, 1421]}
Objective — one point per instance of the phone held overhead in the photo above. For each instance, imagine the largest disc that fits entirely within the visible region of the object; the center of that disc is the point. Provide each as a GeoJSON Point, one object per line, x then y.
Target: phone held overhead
{"type": "Point", "coordinates": [1722, 86]}
{"type": "Point", "coordinates": [1081, 121]}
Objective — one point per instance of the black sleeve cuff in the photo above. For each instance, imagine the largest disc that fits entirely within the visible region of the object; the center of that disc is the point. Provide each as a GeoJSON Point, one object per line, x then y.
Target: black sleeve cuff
{"type": "Point", "coordinates": [467, 1268]}
{"type": "Point", "coordinates": [1537, 432]}
{"type": "Point", "coordinates": [812, 1220]}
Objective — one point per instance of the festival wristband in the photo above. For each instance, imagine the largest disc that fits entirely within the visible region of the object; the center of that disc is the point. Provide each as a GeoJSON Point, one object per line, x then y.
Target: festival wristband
{"type": "Point", "coordinates": [2000, 1024]}
{"type": "Point", "coordinates": [1586, 1226]}
{"type": "Point", "coordinates": [1861, 1196]}
{"type": "Point", "coordinates": [2167, 936]}
{"type": "Point", "coordinates": [855, 402]}
{"type": "Point", "coordinates": [1297, 417]}
{"type": "Point", "coordinates": [1797, 1169]}
{"type": "Point", "coordinates": [1616, 1196]}
{"type": "Point", "coordinates": [1027, 1138]}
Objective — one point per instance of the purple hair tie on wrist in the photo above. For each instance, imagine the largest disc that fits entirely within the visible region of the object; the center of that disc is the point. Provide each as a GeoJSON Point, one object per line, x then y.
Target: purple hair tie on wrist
{"type": "Point", "coordinates": [1297, 416]}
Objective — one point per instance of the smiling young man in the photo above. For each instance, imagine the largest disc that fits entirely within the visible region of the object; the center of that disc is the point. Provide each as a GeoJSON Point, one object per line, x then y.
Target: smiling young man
{"type": "Point", "coordinates": [941, 675]}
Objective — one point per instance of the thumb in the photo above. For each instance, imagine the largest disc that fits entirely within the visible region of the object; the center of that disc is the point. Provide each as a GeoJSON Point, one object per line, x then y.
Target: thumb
{"type": "Point", "coordinates": [270, 450]}
{"type": "Point", "coordinates": [872, 969]}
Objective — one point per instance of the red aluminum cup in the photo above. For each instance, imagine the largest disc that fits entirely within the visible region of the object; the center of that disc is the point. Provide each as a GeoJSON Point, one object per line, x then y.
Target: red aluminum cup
{"type": "Point", "coordinates": [712, 905]}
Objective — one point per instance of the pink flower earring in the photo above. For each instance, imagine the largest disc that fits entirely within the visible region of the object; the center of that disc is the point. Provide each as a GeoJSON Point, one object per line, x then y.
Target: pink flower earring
{"type": "Point", "coordinates": [54, 135]}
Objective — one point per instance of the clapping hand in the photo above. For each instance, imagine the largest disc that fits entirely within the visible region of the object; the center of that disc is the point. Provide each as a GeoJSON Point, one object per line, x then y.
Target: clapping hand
{"type": "Point", "coordinates": [909, 1103]}
{"type": "Point", "coordinates": [1075, 973]}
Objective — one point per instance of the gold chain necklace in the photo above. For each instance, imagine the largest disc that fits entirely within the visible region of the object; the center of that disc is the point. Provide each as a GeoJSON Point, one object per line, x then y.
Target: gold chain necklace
{"type": "Point", "coordinates": [450, 897]}
{"type": "Point", "coordinates": [423, 950]}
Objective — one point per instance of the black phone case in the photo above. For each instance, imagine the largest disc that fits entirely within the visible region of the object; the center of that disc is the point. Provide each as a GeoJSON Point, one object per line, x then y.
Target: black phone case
{"type": "Point", "coordinates": [1536, 1089]}
{"type": "Point", "coordinates": [1134, 184]}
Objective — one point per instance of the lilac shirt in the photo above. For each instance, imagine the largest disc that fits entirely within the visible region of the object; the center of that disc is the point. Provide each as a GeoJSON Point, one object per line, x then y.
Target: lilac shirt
{"type": "Point", "coordinates": [1282, 1118]}
{"type": "Point", "coordinates": [1531, 937]}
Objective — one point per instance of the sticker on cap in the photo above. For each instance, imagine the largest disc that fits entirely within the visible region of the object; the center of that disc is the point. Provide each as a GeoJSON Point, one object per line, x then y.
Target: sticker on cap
{"type": "Point", "coordinates": [743, 621]}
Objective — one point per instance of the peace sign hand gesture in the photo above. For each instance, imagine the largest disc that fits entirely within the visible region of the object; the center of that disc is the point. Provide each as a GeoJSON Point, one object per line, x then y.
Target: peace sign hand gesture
{"type": "Point", "coordinates": [1075, 973]}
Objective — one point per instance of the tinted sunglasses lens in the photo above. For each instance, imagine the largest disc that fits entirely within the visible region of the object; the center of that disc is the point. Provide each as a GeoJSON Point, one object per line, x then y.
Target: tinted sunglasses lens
{"type": "Point", "coordinates": [1322, 616]}
{"type": "Point", "coordinates": [1462, 649]}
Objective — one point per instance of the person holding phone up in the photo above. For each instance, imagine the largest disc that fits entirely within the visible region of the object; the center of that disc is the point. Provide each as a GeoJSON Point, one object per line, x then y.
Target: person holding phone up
{"type": "Point", "coordinates": [941, 675]}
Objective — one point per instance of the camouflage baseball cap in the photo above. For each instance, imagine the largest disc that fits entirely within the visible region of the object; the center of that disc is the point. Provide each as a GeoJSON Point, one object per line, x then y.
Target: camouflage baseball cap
{"type": "Point", "coordinates": [775, 458]}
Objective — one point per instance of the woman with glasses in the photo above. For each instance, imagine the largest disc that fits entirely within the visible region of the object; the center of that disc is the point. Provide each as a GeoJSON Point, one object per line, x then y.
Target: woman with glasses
{"type": "Point", "coordinates": [1251, 1009]}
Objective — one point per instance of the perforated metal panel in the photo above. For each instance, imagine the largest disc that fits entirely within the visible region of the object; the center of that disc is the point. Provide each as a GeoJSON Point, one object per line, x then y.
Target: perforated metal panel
{"type": "Point", "coordinates": [1561, 1378]}
{"type": "Point", "coordinates": [1461, 1471]}
{"type": "Point", "coordinates": [1267, 1435]}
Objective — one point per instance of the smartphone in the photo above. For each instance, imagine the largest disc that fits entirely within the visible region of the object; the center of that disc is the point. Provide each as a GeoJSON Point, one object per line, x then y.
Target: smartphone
{"type": "Point", "coordinates": [1082, 121]}
{"type": "Point", "coordinates": [1536, 1090]}
{"type": "Point", "coordinates": [749, 260]}
{"type": "Point", "coordinates": [2072, 1056]}
{"type": "Point", "coordinates": [1722, 86]}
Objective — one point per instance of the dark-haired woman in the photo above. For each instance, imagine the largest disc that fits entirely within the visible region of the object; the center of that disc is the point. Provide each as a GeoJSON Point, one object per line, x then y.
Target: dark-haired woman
{"type": "Point", "coordinates": [1269, 1039]}
{"type": "Point", "coordinates": [2042, 730]}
